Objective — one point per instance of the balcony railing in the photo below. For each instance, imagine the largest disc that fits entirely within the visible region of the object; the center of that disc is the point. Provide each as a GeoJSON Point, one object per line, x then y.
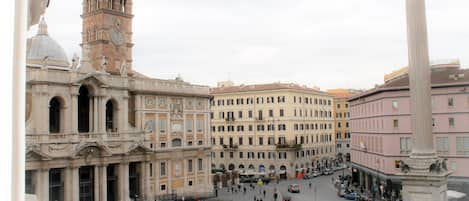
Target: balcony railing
{"type": "Point", "coordinates": [289, 146]}
{"type": "Point", "coordinates": [230, 119]}
{"type": "Point", "coordinates": [63, 138]}
{"type": "Point", "coordinates": [230, 147]}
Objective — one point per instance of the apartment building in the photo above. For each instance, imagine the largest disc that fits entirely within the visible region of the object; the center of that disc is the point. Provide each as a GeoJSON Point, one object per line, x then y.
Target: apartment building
{"type": "Point", "coordinates": [341, 114]}
{"type": "Point", "coordinates": [274, 129]}
{"type": "Point", "coordinates": [381, 129]}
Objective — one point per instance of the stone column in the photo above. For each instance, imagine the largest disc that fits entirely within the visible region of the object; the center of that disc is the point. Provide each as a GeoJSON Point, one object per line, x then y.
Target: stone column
{"type": "Point", "coordinates": [419, 75]}
{"type": "Point", "coordinates": [145, 180]}
{"type": "Point", "coordinates": [102, 182]}
{"type": "Point", "coordinates": [96, 184]}
{"type": "Point", "coordinates": [91, 115]}
{"type": "Point", "coordinates": [74, 113]}
{"type": "Point", "coordinates": [95, 115]}
{"type": "Point", "coordinates": [124, 114]}
{"type": "Point", "coordinates": [123, 181]}
{"type": "Point", "coordinates": [138, 118]}
{"type": "Point", "coordinates": [75, 183]}
{"type": "Point", "coordinates": [102, 114]}
{"type": "Point", "coordinates": [421, 182]}
{"type": "Point", "coordinates": [43, 184]}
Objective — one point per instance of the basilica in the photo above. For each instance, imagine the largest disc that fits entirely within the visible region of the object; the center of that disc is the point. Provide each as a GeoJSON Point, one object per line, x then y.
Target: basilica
{"type": "Point", "coordinates": [97, 130]}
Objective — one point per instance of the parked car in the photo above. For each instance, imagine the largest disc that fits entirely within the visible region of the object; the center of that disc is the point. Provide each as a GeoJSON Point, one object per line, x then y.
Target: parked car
{"type": "Point", "coordinates": [341, 192]}
{"type": "Point", "coordinates": [294, 188]}
{"type": "Point", "coordinates": [316, 174]}
{"type": "Point", "coordinates": [351, 196]}
{"type": "Point", "coordinates": [328, 171]}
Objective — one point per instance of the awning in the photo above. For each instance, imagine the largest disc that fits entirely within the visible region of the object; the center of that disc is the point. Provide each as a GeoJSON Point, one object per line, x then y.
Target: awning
{"type": "Point", "coordinates": [282, 171]}
{"type": "Point", "coordinates": [455, 194]}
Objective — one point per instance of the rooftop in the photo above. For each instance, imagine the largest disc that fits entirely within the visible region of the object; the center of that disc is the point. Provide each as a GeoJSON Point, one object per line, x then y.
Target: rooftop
{"type": "Point", "coordinates": [264, 87]}
{"type": "Point", "coordinates": [441, 75]}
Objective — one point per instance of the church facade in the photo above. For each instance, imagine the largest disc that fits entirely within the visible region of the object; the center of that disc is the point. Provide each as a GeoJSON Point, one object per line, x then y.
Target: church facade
{"type": "Point", "coordinates": [97, 130]}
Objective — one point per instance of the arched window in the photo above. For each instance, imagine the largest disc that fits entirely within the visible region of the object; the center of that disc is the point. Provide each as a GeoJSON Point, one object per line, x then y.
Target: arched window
{"type": "Point", "coordinates": [176, 143]}
{"type": "Point", "coordinates": [111, 116]}
{"type": "Point", "coordinates": [54, 115]}
{"type": "Point", "coordinates": [123, 2]}
{"type": "Point", "coordinates": [83, 110]}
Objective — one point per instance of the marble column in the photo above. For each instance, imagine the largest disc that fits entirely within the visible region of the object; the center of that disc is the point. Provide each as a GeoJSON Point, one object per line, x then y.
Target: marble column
{"type": "Point", "coordinates": [146, 180]}
{"type": "Point", "coordinates": [43, 184]}
{"type": "Point", "coordinates": [95, 115]}
{"type": "Point", "coordinates": [419, 76]}
{"type": "Point", "coordinates": [74, 114]}
{"type": "Point", "coordinates": [123, 181]}
{"type": "Point", "coordinates": [75, 183]}
{"type": "Point", "coordinates": [421, 182]}
{"type": "Point", "coordinates": [138, 118]}
{"type": "Point", "coordinates": [124, 114]}
{"type": "Point", "coordinates": [102, 182]}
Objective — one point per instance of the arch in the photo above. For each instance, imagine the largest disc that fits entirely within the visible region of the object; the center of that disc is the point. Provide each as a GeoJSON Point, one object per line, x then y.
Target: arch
{"type": "Point", "coordinates": [83, 110]}
{"type": "Point", "coordinates": [272, 167]}
{"type": "Point", "coordinates": [231, 166]}
{"type": "Point", "coordinates": [261, 168]}
{"type": "Point", "coordinates": [176, 142]}
{"type": "Point", "coordinates": [111, 115]}
{"type": "Point", "coordinates": [214, 166]}
{"type": "Point", "coordinates": [251, 167]}
{"type": "Point", "coordinates": [241, 167]}
{"type": "Point", "coordinates": [55, 114]}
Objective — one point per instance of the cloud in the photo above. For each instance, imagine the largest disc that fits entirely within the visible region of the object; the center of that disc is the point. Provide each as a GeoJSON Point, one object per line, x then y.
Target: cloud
{"type": "Point", "coordinates": [334, 43]}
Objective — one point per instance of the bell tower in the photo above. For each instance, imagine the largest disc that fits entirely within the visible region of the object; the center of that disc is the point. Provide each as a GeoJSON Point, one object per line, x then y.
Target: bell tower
{"type": "Point", "coordinates": [107, 34]}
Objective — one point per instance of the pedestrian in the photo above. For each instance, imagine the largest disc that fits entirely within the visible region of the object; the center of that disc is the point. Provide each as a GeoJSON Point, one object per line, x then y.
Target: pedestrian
{"type": "Point", "coordinates": [264, 193]}
{"type": "Point", "coordinates": [244, 189]}
{"type": "Point", "coordinates": [255, 199]}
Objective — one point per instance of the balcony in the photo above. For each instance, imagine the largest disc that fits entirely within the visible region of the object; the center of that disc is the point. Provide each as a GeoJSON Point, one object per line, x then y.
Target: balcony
{"type": "Point", "coordinates": [76, 138]}
{"type": "Point", "coordinates": [289, 146]}
{"type": "Point", "coordinates": [232, 147]}
{"type": "Point", "coordinates": [230, 119]}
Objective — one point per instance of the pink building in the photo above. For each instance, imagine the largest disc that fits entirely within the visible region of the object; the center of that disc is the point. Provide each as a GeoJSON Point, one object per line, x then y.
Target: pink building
{"type": "Point", "coordinates": [381, 132]}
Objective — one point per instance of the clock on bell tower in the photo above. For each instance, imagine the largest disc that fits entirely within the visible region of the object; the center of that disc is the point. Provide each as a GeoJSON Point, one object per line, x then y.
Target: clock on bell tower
{"type": "Point", "coordinates": [107, 31]}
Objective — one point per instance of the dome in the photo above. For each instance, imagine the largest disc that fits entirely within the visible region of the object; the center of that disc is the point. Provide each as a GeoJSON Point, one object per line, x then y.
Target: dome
{"type": "Point", "coordinates": [42, 45]}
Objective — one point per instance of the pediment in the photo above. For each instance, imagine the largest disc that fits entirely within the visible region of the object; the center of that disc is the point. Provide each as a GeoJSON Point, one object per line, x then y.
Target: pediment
{"type": "Point", "coordinates": [92, 149]}
{"type": "Point", "coordinates": [138, 148]}
{"type": "Point", "coordinates": [36, 155]}
{"type": "Point", "coordinates": [91, 79]}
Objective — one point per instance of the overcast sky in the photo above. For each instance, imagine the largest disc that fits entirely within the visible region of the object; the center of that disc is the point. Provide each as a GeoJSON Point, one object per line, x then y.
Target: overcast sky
{"type": "Point", "coordinates": [324, 43]}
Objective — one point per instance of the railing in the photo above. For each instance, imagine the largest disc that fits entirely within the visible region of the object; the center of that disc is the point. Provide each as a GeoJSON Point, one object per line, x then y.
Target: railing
{"type": "Point", "coordinates": [64, 138]}
{"type": "Point", "coordinates": [169, 86]}
{"type": "Point", "coordinates": [144, 84]}
{"type": "Point", "coordinates": [289, 146]}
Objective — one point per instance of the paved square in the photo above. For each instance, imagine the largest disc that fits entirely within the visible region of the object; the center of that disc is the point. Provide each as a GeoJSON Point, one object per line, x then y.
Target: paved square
{"type": "Point", "coordinates": [322, 190]}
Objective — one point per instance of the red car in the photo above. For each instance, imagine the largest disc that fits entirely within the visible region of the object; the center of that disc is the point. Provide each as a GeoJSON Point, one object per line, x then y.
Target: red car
{"type": "Point", "coordinates": [294, 188]}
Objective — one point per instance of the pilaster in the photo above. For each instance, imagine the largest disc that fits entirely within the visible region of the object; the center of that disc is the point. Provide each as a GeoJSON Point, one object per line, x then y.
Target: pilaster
{"type": "Point", "coordinates": [43, 184]}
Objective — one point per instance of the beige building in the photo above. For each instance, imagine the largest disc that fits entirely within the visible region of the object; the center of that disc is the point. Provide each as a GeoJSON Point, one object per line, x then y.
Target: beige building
{"type": "Point", "coordinates": [341, 114]}
{"type": "Point", "coordinates": [99, 131]}
{"type": "Point", "coordinates": [276, 129]}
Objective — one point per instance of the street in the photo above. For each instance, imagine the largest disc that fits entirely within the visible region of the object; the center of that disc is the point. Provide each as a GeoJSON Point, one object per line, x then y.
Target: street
{"type": "Point", "coordinates": [322, 190]}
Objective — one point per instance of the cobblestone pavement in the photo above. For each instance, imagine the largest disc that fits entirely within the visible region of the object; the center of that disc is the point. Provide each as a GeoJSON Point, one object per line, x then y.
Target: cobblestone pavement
{"type": "Point", "coordinates": [321, 189]}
